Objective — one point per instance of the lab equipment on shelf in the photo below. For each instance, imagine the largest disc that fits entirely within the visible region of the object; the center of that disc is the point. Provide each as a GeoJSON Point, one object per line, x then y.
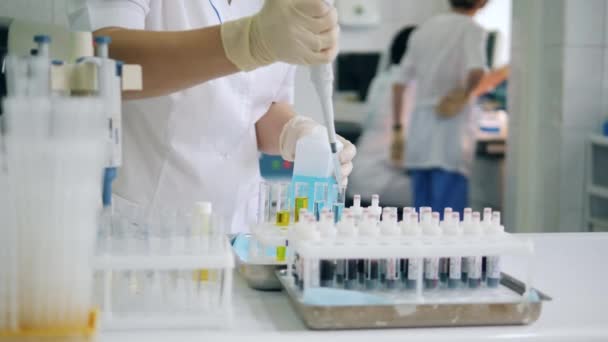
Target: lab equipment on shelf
{"type": "Point", "coordinates": [169, 270]}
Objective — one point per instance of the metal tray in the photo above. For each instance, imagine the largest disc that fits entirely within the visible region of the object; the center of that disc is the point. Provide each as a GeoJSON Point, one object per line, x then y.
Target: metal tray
{"type": "Point", "coordinates": [258, 276]}
{"type": "Point", "coordinates": [417, 315]}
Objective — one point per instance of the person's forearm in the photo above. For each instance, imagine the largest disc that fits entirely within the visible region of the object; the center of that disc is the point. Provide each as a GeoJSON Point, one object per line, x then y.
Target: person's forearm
{"type": "Point", "coordinates": [398, 92]}
{"type": "Point", "coordinates": [491, 80]}
{"type": "Point", "coordinates": [473, 81]}
{"type": "Point", "coordinates": [269, 127]}
{"type": "Point", "coordinates": [171, 61]}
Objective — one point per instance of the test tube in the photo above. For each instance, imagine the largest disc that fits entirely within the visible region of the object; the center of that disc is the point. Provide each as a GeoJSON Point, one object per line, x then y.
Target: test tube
{"type": "Point", "coordinates": [301, 199]}
{"type": "Point", "coordinates": [283, 207]}
{"type": "Point", "coordinates": [264, 202]}
{"type": "Point", "coordinates": [338, 206]}
{"type": "Point", "coordinates": [327, 267]}
{"type": "Point", "coordinates": [493, 261]}
{"type": "Point", "coordinates": [320, 199]}
{"type": "Point", "coordinates": [431, 264]}
{"type": "Point", "coordinates": [413, 230]}
{"type": "Point", "coordinates": [474, 263]}
{"type": "Point", "coordinates": [455, 263]}
{"type": "Point", "coordinates": [375, 207]}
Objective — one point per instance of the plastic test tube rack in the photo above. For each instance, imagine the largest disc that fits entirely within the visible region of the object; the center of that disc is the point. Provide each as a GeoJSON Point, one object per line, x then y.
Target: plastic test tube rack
{"type": "Point", "coordinates": [408, 258]}
{"type": "Point", "coordinates": [181, 278]}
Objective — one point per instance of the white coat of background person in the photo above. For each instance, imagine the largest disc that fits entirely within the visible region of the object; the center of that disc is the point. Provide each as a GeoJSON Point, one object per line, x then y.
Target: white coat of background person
{"type": "Point", "coordinates": [218, 87]}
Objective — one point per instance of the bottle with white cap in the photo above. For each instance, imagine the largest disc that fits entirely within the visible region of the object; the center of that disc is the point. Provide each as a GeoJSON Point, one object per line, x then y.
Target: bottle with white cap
{"type": "Point", "coordinates": [474, 232]}
{"type": "Point", "coordinates": [494, 231]}
{"type": "Point", "coordinates": [412, 230]}
{"type": "Point", "coordinates": [431, 264]}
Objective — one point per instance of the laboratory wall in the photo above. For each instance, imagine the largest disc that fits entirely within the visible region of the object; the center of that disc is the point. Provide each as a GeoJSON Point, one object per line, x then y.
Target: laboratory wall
{"type": "Point", "coordinates": [46, 11]}
{"type": "Point", "coordinates": [496, 17]}
{"type": "Point", "coordinates": [558, 97]}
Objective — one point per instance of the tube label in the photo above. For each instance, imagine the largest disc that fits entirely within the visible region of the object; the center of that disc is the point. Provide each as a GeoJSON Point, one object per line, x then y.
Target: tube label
{"type": "Point", "coordinates": [475, 267]}
{"type": "Point", "coordinates": [392, 269]}
{"type": "Point", "coordinates": [413, 268]}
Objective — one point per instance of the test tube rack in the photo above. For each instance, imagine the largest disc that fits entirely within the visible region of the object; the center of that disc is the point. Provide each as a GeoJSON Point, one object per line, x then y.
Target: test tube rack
{"type": "Point", "coordinates": [174, 280]}
{"type": "Point", "coordinates": [408, 268]}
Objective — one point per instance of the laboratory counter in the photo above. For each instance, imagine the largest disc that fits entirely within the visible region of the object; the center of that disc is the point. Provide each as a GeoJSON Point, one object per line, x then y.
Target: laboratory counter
{"type": "Point", "coordinates": [569, 267]}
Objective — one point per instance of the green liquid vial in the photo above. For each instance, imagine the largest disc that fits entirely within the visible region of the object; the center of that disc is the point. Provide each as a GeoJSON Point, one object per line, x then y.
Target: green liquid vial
{"type": "Point", "coordinates": [301, 202]}
{"type": "Point", "coordinates": [283, 218]}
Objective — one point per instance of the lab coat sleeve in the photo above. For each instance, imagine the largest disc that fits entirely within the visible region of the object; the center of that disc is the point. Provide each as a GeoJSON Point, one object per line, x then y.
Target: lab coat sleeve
{"type": "Point", "coordinates": [95, 14]}
{"type": "Point", "coordinates": [474, 47]}
{"type": "Point", "coordinates": [286, 92]}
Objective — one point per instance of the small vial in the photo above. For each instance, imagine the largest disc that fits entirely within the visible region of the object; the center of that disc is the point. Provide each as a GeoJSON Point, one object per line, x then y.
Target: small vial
{"type": "Point", "coordinates": [412, 229]}
{"type": "Point", "coordinates": [301, 199]}
{"type": "Point", "coordinates": [357, 210]}
{"type": "Point", "coordinates": [392, 271]}
{"type": "Point", "coordinates": [283, 206]}
{"type": "Point", "coordinates": [340, 272]}
{"type": "Point", "coordinates": [375, 208]}
{"type": "Point", "coordinates": [447, 213]}
{"type": "Point", "coordinates": [320, 199]}
{"type": "Point", "coordinates": [474, 271]}
{"type": "Point", "coordinates": [413, 267]}
{"type": "Point", "coordinates": [282, 252]}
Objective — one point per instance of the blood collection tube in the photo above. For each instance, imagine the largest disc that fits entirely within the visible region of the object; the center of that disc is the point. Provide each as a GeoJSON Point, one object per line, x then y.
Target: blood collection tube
{"type": "Point", "coordinates": [431, 264]}
{"type": "Point", "coordinates": [485, 224]}
{"type": "Point", "coordinates": [283, 206]}
{"type": "Point", "coordinates": [412, 230]}
{"type": "Point", "coordinates": [493, 261]}
{"type": "Point", "coordinates": [390, 231]}
{"type": "Point", "coordinates": [453, 232]}
{"type": "Point", "coordinates": [467, 220]}
{"type": "Point", "coordinates": [444, 263]}
{"type": "Point", "coordinates": [320, 199]}
{"type": "Point", "coordinates": [369, 232]}
{"type": "Point", "coordinates": [375, 208]}
{"type": "Point", "coordinates": [346, 276]}
{"type": "Point", "coordinates": [357, 210]}
{"type": "Point", "coordinates": [327, 268]}
{"type": "Point", "coordinates": [474, 263]}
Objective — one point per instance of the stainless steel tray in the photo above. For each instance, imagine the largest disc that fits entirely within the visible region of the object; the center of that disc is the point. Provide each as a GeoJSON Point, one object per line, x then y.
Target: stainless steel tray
{"type": "Point", "coordinates": [416, 315]}
{"type": "Point", "coordinates": [258, 276]}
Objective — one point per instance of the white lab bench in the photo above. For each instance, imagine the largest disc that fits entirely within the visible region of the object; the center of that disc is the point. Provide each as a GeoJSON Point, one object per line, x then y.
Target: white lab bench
{"type": "Point", "coordinates": [570, 268]}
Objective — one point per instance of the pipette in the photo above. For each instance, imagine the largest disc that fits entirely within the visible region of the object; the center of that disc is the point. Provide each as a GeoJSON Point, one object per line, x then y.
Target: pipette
{"type": "Point", "coordinates": [322, 77]}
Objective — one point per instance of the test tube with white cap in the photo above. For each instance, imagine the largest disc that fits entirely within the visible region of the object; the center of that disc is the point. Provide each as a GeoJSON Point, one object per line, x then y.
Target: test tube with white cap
{"type": "Point", "coordinates": [391, 267]}
{"type": "Point", "coordinates": [444, 263]}
{"type": "Point", "coordinates": [474, 232]}
{"type": "Point", "coordinates": [328, 234]}
{"type": "Point", "coordinates": [493, 261]}
{"type": "Point", "coordinates": [339, 202]}
{"type": "Point", "coordinates": [485, 224]}
{"type": "Point", "coordinates": [431, 264]}
{"type": "Point", "coordinates": [453, 232]}
{"type": "Point", "coordinates": [357, 210]}
{"type": "Point", "coordinates": [466, 221]}
{"type": "Point", "coordinates": [412, 230]}
{"type": "Point", "coordinates": [346, 270]}
{"type": "Point", "coordinates": [375, 208]}
{"type": "Point", "coordinates": [369, 232]}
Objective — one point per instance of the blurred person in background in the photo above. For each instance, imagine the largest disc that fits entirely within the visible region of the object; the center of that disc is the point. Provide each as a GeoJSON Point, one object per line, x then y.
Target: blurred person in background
{"type": "Point", "coordinates": [446, 61]}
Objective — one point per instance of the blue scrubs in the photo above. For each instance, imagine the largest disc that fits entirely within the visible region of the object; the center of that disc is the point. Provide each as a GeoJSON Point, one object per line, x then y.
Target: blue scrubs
{"type": "Point", "coordinates": [439, 189]}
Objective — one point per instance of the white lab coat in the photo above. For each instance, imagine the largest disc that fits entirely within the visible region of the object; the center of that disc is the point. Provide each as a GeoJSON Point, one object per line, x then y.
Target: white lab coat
{"type": "Point", "coordinates": [441, 53]}
{"type": "Point", "coordinates": [373, 171]}
{"type": "Point", "coordinates": [198, 144]}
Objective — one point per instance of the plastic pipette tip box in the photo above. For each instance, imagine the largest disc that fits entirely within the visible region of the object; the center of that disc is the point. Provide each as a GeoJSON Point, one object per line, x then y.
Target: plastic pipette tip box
{"type": "Point", "coordinates": [76, 334]}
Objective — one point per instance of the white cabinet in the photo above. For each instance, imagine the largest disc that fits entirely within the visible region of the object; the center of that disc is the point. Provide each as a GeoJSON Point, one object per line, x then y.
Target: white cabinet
{"type": "Point", "coordinates": [596, 201]}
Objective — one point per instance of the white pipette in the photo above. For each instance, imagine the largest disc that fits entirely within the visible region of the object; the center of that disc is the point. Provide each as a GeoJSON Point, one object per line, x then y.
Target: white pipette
{"type": "Point", "coordinates": [322, 77]}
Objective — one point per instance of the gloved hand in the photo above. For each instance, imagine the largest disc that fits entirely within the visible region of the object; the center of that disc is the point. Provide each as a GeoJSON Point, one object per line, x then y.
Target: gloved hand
{"type": "Point", "coordinates": [453, 103]}
{"type": "Point", "coordinates": [299, 127]}
{"type": "Point", "coordinates": [397, 147]}
{"type": "Point", "coordinates": [302, 32]}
